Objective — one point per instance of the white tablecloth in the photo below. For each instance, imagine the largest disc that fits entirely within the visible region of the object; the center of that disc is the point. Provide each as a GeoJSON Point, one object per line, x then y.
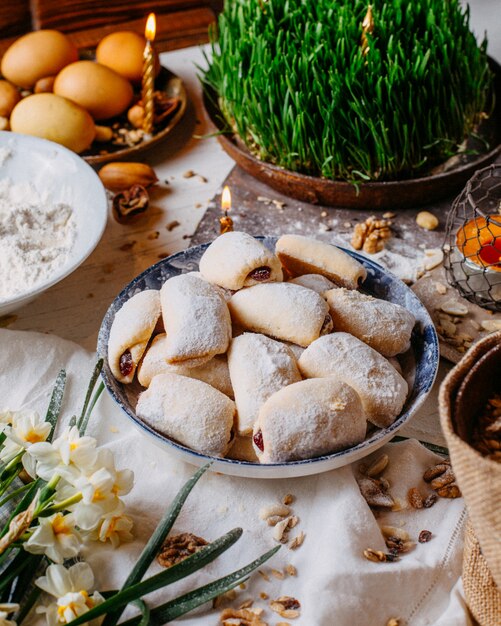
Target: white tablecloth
{"type": "Point", "coordinates": [335, 584]}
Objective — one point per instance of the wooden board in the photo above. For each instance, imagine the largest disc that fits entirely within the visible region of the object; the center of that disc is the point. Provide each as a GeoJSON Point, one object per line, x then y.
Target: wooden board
{"type": "Point", "coordinates": [252, 214]}
{"type": "Point", "coordinates": [15, 17]}
{"type": "Point", "coordinates": [179, 23]}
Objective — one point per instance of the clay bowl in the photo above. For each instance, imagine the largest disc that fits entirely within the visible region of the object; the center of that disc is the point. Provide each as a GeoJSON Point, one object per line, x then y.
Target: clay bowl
{"type": "Point", "coordinates": [444, 182]}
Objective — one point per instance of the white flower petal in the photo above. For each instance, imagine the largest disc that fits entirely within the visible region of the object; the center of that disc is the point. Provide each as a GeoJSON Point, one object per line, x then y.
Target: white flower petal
{"type": "Point", "coordinates": [56, 582]}
{"type": "Point", "coordinates": [81, 576]}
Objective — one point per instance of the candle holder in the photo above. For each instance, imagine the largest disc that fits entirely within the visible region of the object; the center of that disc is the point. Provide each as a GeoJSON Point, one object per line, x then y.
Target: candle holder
{"type": "Point", "coordinates": [472, 248]}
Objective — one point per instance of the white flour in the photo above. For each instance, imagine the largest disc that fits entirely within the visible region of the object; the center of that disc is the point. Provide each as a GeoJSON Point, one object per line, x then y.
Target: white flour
{"type": "Point", "coordinates": [35, 238]}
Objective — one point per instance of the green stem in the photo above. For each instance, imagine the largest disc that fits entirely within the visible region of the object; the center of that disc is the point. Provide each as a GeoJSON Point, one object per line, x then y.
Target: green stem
{"type": "Point", "coordinates": [12, 464]}
{"type": "Point", "coordinates": [9, 481]}
{"type": "Point", "coordinates": [14, 493]}
{"type": "Point", "coordinates": [95, 398]}
{"type": "Point", "coordinates": [90, 389]}
{"type": "Point", "coordinates": [60, 506]}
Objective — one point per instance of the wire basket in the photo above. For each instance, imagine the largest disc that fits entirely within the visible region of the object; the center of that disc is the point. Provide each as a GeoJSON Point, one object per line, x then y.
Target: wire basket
{"type": "Point", "coordinates": [472, 248]}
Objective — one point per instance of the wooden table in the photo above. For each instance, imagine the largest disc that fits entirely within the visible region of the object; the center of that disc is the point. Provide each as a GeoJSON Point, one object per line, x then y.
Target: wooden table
{"type": "Point", "coordinates": [191, 171]}
{"type": "Point", "coordinates": [74, 308]}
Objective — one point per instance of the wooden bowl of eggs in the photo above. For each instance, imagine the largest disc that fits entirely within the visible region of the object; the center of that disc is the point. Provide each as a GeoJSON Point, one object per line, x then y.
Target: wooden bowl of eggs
{"type": "Point", "coordinates": [88, 103]}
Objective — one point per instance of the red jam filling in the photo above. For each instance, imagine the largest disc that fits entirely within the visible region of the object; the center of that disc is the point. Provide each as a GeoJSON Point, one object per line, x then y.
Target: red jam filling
{"type": "Point", "coordinates": [258, 440]}
{"type": "Point", "coordinates": [260, 273]}
{"type": "Point", "coordinates": [126, 364]}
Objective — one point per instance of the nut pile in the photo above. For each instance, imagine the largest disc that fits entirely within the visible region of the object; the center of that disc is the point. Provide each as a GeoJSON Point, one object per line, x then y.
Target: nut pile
{"type": "Point", "coordinates": [442, 480]}
{"type": "Point", "coordinates": [370, 235]}
{"type": "Point", "coordinates": [376, 491]}
{"type": "Point", "coordinates": [282, 519]}
{"type": "Point", "coordinates": [487, 432]}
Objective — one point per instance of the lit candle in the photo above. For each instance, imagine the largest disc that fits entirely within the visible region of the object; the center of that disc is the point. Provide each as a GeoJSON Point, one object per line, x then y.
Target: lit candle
{"type": "Point", "coordinates": [148, 84]}
{"type": "Point", "coordinates": [225, 222]}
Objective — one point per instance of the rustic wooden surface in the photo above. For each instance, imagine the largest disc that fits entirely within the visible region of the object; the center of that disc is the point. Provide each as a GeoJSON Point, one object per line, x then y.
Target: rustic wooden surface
{"type": "Point", "coordinates": [251, 212]}
{"type": "Point", "coordinates": [15, 17]}
{"type": "Point", "coordinates": [180, 23]}
{"type": "Point", "coordinates": [73, 309]}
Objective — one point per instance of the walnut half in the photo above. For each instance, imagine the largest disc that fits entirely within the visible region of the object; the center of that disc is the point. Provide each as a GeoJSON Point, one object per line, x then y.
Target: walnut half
{"type": "Point", "coordinates": [179, 547]}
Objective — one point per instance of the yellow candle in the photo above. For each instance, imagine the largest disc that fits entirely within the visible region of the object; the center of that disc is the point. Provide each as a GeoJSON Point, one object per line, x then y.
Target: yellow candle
{"type": "Point", "coordinates": [225, 222]}
{"type": "Point", "coordinates": [148, 83]}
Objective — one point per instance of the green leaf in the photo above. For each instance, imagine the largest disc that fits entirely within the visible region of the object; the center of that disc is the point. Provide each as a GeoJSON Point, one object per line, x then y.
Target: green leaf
{"type": "Point", "coordinates": [145, 612]}
{"type": "Point", "coordinates": [85, 422]}
{"type": "Point", "coordinates": [188, 566]}
{"type": "Point", "coordinates": [23, 504]}
{"type": "Point", "coordinates": [13, 494]}
{"type": "Point", "coordinates": [20, 562]}
{"type": "Point", "coordinates": [156, 540]}
{"type": "Point", "coordinates": [28, 605]}
{"type": "Point", "coordinates": [189, 601]}
{"type": "Point", "coordinates": [56, 401]}
{"type": "Point", "coordinates": [82, 421]}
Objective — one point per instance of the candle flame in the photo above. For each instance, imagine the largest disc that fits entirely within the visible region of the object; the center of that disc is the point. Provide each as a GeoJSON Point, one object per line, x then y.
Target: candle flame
{"type": "Point", "coordinates": [226, 199]}
{"type": "Point", "coordinates": [151, 27]}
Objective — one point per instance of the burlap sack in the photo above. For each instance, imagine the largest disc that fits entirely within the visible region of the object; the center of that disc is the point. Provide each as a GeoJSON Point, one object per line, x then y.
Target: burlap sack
{"type": "Point", "coordinates": [462, 395]}
{"type": "Point", "coordinates": [480, 589]}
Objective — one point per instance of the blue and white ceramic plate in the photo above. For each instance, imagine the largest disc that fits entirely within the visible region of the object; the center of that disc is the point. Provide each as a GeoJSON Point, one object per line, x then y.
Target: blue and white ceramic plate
{"type": "Point", "coordinates": [419, 367]}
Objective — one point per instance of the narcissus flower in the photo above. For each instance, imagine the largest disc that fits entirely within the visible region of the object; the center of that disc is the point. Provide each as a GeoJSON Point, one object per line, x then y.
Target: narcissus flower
{"type": "Point", "coordinates": [71, 588]}
{"type": "Point", "coordinates": [56, 537]}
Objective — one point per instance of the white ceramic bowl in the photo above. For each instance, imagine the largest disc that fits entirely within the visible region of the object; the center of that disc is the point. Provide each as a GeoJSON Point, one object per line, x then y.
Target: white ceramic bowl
{"type": "Point", "coordinates": [62, 176]}
{"type": "Point", "coordinates": [419, 367]}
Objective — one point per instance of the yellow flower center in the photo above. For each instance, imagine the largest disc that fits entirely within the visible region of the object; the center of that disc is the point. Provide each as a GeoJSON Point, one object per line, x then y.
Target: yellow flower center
{"type": "Point", "coordinates": [98, 495]}
{"type": "Point", "coordinates": [58, 525]}
{"type": "Point", "coordinates": [33, 437]}
{"type": "Point", "coordinates": [73, 606]}
{"type": "Point", "coordinates": [73, 446]}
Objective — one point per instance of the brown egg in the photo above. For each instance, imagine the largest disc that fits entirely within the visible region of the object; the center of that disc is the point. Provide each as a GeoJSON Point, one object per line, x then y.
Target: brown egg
{"type": "Point", "coordinates": [55, 118]}
{"type": "Point", "coordinates": [9, 97]}
{"type": "Point", "coordinates": [44, 85]}
{"type": "Point", "coordinates": [123, 52]}
{"type": "Point", "coordinates": [35, 55]}
{"type": "Point", "coordinates": [95, 87]}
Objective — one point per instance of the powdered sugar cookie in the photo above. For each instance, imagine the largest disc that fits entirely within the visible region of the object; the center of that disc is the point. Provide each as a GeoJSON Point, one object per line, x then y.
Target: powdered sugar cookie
{"type": "Point", "coordinates": [215, 372]}
{"type": "Point", "coordinates": [235, 260]}
{"type": "Point", "coordinates": [385, 326]}
{"type": "Point", "coordinates": [381, 388]}
{"type": "Point", "coordinates": [130, 332]}
{"type": "Point", "coordinates": [281, 310]}
{"type": "Point", "coordinates": [259, 366]}
{"type": "Point", "coordinates": [196, 319]}
{"type": "Point", "coordinates": [190, 412]}
{"type": "Point", "coordinates": [302, 255]}
{"type": "Point", "coordinates": [308, 419]}
{"type": "Point", "coordinates": [316, 282]}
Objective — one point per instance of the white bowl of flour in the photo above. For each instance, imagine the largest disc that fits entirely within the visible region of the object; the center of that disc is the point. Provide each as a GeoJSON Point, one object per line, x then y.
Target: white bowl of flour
{"type": "Point", "coordinates": [53, 212]}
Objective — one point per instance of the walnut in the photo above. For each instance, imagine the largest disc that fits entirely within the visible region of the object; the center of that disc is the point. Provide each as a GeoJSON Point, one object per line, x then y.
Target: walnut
{"type": "Point", "coordinates": [178, 548]}
{"type": "Point", "coordinates": [130, 202]}
{"type": "Point", "coordinates": [371, 234]}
